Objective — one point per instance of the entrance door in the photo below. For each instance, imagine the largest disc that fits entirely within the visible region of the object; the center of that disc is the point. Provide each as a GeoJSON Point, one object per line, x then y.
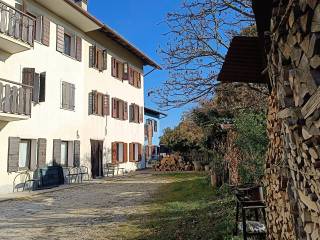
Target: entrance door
{"type": "Point", "coordinates": [96, 158]}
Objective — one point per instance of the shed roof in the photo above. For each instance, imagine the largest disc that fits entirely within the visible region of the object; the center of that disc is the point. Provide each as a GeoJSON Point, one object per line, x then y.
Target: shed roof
{"type": "Point", "coordinates": [154, 112]}
{"type": "Point", "coordinates": [243, 62]}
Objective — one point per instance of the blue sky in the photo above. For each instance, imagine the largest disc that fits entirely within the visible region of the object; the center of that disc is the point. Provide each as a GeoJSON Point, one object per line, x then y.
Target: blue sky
{"type": "Point", "coordinates": [139, 21]}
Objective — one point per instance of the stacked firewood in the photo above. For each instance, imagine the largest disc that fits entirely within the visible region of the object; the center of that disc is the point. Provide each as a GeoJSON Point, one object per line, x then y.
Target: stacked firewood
{"type": "Point", "coordinates": [173, 163]}
{"type": "Point", "coordinates": [293, 167]}
{"type": "Point", "coordinates": [279, 217]}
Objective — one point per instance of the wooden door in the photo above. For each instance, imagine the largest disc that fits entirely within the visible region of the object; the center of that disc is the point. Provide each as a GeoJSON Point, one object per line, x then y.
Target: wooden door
{"type": "Point", "coordinates": [96, 158]}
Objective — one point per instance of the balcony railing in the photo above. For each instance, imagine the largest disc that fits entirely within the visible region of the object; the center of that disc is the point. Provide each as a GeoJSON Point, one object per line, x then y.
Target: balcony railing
{"type": "Point", "coordinates": [16, 99]}
{"type": "Point", "coordinates": [16, 24]}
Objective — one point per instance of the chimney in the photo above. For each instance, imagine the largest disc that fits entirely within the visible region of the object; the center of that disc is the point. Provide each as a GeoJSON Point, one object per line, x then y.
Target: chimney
{"type": "Point", "coordinates": [82, 3]}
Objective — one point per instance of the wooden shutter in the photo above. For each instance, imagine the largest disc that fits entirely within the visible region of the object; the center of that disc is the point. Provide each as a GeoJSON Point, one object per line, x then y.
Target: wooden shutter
{"type": "Point", "coordinates": [125, 71]}
{"type": "Point", "coordinates": [141, 115]}
{"type": "Point", "coordinates": [125, 152]}
{"type": "Point", "coordinates": [36, 88]}
{"type": "Point", "coordinates": [13, 154]}
{"type": "Point", "coordinates": [100, 60]}
{"type": "Point", "coordinates": [70, 160]}
{"type": "Point", "coordinates": [100, 103]}
{"type": "Point", "coordinates": [42, 152]}
{"type": "Point", "coordinates": [33, 155]}
{"type": "Point", "coordinates": [56, 151]}
{"type": "Point", "coordinates": [114, 152]}
{"type": "Point", "coordinates": [94, 102]}
{"type": "Point", "coordinates": [90, 103]}
{"type": "Point", "coordinates": [72, 89]}
{"type": "Point", "coordinates": [64, 97]}
{"type": "Point", "coordinates": [60, 38]}
{"type": "Point", "coordinates": [92, 56]}
{"type": "Point", "coordinates": [125, 111]}
{"type": "Point", "coordinates": [139, 152]}
{"type": "Point", "coordinates": [45, 39]}
{"type": "Point", "coordinates": [120, 71]}
{"type": "Point", "coordinates": [78, 48]}
{"type": "Point", "coordinates": [106, 105]}
{"type": "Point", "coordinates": [28, 75]}
{"type": "Point", "coordinates": [139, 80]}
{"type": "Point", "coordinates": [105, 60]}
{"type": "Point", "coordinates": [131, 113]}
{"type": "Point", "coordinates": [131, 76]}
{"type": "Point", "coordinates": [131, 146]}
{"type": "Point", "coordinates": [136, 113]}
{"type": "Point", "coordinates": [76, 145]}
{"type": "Point", "coordinates": [113, 67]}
{"type": "Point", "coordinates": [114, 108]}
{"type": "Point", "coordinates": [38, 30]}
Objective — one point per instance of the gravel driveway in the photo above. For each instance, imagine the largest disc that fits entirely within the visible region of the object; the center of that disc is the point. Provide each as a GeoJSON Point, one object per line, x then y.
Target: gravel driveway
{"type": "Point", "coordinates": [92, 211]}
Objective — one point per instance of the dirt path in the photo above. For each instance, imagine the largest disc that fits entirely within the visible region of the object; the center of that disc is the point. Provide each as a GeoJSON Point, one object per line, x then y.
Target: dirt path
{"type": "Point", "coordinates": [96, 211]}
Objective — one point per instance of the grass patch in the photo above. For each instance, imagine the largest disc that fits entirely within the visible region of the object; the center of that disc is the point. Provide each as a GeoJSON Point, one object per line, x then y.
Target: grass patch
{"type": "Point", "coordinates": [187, 209]}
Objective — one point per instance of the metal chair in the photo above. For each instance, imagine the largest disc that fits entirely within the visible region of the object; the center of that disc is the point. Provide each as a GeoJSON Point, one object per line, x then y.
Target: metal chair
{"type": "Point", "coordinates": [250, 199]}
{"type": "Point", "coordinates": [20, 181]}
{"type": "Point", "coordinates": [83, 171]}
{"type": "Point", "coordinates": [109, 169]}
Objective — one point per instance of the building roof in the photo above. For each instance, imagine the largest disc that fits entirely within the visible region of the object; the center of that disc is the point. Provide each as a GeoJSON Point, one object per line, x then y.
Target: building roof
{"type": "Point", "coordinates": [86, 22]}
{"type": "Point", "coordinates": [154, 112]}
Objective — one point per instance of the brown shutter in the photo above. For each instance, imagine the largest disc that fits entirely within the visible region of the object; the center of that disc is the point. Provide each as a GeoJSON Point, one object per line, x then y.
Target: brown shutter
{"type": "Point", "coordinates": [114, 108]}
{"type": "Point", "coordinates": [120, 71]}
{"type": "Point", "coordinates": [139, 152]}
{"type": "Point", "coordinates": [76, 145]}
{"type": "Point", "coordinates": [33, 155]}
{"type": "Point", "coordinates": [78, 48]}
{"type": "Point", "coordinates": [131, 76]}
{"type": "Point", "coordinates": [131, 113]}
{"type": "Point", "coordinates": [94, 102]}
{"type": "Point", "coordinates": [28, 75]}
{"type": "Point", "coordinates": [136, 114]}
{"type": "Point", "coordinates": [131, 145]}
{"type": "Point", "coordinates": [38, 30]}
{"type": "Point", "coordinates": [100, 59]}
{"type": "Point", "coordinates": [125, 111]}
{"type": "Point", "coordinates": [60, 38]}
{"type": "Point", "coordinates": [45, 39]}
{"type": "Point", "coordinates": [13, 154]}
{"type": "Point", "coordinates": [100, 102]}
{"type": "Point", "coordinates": [42, 152]}
{"type": "Point", "coordinates": [125, 71]}
{"type": "Point", "coordinates": [141, 115]}
{"type": "Point", "coordinates": [139, 80]}
{"type": "Point", "coordinates": [125, 152]}
{"type": "Point", "coordinates": [92, 58]}
{"type": "Point", "coordinates": [106, 105]}
{"type": "Point", "coordinates": [105, 60]}
{"type": "Point", "coordinates": [121, 110]}
{"type": "Point", "coordinates": [114, 152]}
{"type": "Point", "coordinates": [113, 67]}
{"type": "Point", "coordinates": [56, 151]}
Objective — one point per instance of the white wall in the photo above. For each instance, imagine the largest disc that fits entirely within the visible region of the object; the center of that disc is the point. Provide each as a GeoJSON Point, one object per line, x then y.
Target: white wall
{"type": "Point", "coordinates": [48, 120]}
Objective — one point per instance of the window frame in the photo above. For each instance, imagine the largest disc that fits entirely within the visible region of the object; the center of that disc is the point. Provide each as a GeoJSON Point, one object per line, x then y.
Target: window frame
{"type": "Point", "coordinates": [66, 155]}
{"type": "Point", "coordinates": [64, 40]}
{"type": "Point", "coordinates": [28, 156]}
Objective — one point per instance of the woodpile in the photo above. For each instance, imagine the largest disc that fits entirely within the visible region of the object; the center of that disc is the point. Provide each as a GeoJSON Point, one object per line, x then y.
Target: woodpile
{"type": "Point", "coordinates": [293, 173]}
{"type": "Point", "coordinates": [173, 163]}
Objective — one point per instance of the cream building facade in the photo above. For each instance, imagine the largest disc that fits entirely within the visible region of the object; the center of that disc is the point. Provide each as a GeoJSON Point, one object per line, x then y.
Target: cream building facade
{"type": "Point", "coordinates": [71, 90]}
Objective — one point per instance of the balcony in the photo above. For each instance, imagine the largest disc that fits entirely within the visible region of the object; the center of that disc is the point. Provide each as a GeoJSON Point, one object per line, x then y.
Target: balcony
{"type": "Point", "coordinates": [17, 29]}
{"type": "Point", "coordinates": [15, 101]}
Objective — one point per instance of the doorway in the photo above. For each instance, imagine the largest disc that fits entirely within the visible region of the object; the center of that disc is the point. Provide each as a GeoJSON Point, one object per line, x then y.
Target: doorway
{"type": "Point", "coordinates": [96, 158]}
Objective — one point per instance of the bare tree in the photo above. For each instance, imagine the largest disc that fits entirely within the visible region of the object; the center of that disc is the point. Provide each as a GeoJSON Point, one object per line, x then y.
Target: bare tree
{"type": "Point", "coordinates": [199, 35]}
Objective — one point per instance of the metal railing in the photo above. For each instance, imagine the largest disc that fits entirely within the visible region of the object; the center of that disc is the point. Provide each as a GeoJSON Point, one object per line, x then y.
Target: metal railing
{"type": "Point", "coordinates": [17, 24]}
{"type": "Point", "coordinates": [15, 98]}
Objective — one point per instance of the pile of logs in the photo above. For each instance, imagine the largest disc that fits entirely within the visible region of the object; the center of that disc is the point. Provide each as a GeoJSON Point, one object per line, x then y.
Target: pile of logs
{"type": "Point", "coordinates": [293, 167]}
{"type": "Point", "coordinates": [173, 163]}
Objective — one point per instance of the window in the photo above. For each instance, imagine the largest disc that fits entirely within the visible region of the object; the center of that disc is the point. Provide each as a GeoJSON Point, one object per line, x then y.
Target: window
{"type": "Point", "coordinates": [42, 88]}
{"type": "Point", "coordinates": [119, 109]}
{"type": "Point", "coordinates": [64, 153]}
{"type": "Point", "coordinates": [99, 104]}
{"type": "Point", "coordinates": [68, 96]}
{"type": "Point", "coordinates": [136, 113]}
{"type": "Point", "coordinates": [119, 152]}
{"type": "Point", "coordinates": [134, 78]}
{"type": "Point", "coordinates": [135, 152]}
{"type": "Point", "coordinates": [67, 44]}
{"type": "Point", "coordinates": [24, 154]}
{"type": "Point", "coordinates": [98, 58]}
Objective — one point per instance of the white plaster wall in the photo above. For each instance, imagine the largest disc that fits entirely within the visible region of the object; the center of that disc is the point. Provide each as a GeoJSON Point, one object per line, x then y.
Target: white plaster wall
{"type": "Point", "coordinates": [48, 119]}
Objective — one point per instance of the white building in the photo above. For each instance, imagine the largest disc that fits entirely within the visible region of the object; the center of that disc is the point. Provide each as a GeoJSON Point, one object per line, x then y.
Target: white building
{"type": "Point", "coordinates": [86, 103]}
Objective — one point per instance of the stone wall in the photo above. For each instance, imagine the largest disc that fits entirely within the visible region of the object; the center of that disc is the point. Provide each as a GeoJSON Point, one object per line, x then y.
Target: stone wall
{"type": "Point", "coordinates": [293, 164]}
